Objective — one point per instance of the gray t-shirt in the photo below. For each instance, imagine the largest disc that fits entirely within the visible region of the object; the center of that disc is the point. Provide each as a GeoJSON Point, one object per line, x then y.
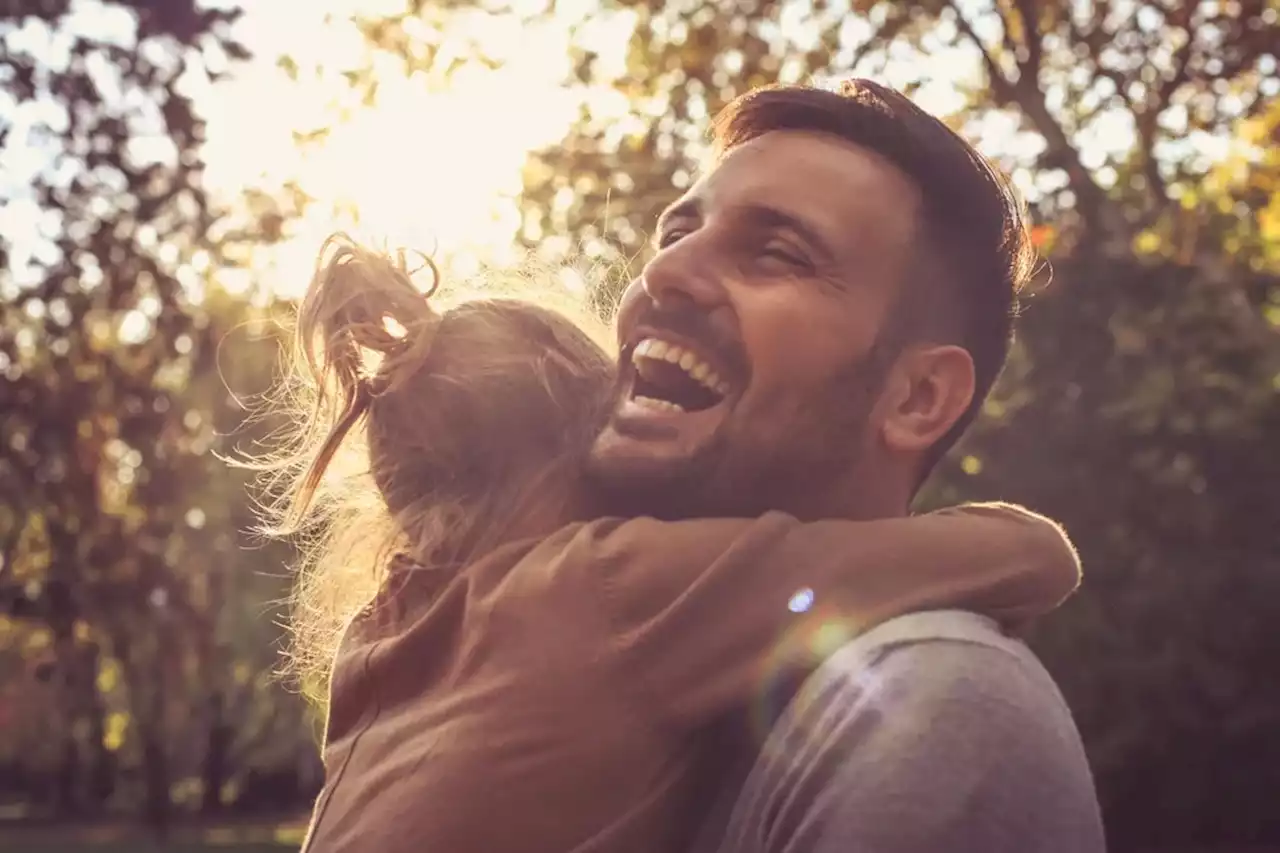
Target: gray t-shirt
{"type": "Point", "coordinates": [932, 733]}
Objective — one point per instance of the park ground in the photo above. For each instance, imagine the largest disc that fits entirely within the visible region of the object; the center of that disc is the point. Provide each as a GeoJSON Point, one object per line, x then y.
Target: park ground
{"type": "Point", "coordinates": [283, 836]}
{"type": "Point", "coordinates": [258, 837]}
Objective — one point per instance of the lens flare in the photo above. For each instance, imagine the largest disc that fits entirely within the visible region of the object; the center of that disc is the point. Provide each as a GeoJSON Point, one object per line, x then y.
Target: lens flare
{"type": "Point", "coordinates": [801, 601]}
{"type": "Point", "coordinates": [804, 647]}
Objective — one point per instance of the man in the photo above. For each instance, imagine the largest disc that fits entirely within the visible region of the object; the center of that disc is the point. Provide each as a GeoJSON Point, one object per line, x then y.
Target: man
{"type": "Point", "coordinates": [828, 307]}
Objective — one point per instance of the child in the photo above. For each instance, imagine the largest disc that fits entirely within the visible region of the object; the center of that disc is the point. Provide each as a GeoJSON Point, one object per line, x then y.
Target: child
{"type": "Point", "coordinates": [525, 677]}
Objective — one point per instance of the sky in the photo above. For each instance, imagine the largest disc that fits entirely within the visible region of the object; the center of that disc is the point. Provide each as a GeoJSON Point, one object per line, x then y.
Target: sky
{"type": "Point", "coordinates": [432, 165]}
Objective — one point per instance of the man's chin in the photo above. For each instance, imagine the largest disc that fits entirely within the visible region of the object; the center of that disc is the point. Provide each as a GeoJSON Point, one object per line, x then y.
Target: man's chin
{"type": "Point", "coordinates": [650, 468]}
{"type": "Point", "coordinates": [646, 436]}
{"type": "Point", "coordinates": [622, 457]}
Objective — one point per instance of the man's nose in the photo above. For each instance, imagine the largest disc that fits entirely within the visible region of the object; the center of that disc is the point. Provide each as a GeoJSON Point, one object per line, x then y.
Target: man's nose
{"type": "Point", "coordinates": [684, 274]}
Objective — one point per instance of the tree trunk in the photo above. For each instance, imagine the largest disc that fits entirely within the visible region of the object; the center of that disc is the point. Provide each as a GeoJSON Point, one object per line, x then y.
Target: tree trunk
{"type": "Point", "coordinates": [155, 768]}
{"type": "Point", "coordinates": [216, 755]}
{"type": "Point", "coordinates": [102, 762]}
{"type": "Point", "coordinates": [155, 756]}
{"type": "Point", "coordinates": [61, 619]}
{"type": "Point", "coordinates": [65, 802]}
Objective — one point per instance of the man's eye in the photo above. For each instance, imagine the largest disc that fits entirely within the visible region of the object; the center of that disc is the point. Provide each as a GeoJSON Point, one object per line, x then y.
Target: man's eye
{"type": "Point", "coordinates": [786, 255]}
{"type": "Point", "coordinates": [670, 237]}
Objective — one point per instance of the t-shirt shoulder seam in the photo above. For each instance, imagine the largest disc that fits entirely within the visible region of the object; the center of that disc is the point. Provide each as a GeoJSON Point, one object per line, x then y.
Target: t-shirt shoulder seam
{"type": "Point", "coordinates": [875, 660]}
{"type": "Point", "coordinates": [886, 648]}
{"type": "Point", "coordinates": [934, 627]}
{"type": "Point", "coordinates": [873, 655]}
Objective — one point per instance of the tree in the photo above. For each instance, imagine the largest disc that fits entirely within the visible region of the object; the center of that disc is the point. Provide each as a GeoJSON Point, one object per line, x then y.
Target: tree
{"type": "Point", "coordinates": [1151, 74]}
{"type": "Point", "coordinates": [121, 568]}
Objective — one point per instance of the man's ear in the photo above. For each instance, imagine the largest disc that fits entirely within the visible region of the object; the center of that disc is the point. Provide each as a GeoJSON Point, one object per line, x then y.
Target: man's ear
{"type": "Point", "coordinates": [927, 390]}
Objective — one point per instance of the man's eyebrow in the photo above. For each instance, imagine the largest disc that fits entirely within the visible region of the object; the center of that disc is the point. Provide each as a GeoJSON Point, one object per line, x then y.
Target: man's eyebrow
{"type": "Point", "coordinates": [686, 208]}
{"type": "Point", "coordinates": [764, 216]}
{"type": "Point", "coordinates": [756, 214]}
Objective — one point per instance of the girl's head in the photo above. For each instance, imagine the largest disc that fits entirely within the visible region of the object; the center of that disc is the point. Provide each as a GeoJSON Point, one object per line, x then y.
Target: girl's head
{"type": "Point", "coordinates": [437, 433]}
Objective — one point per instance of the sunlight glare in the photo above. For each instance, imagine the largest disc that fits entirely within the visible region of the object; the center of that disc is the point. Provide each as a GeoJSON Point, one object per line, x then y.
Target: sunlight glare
{"type": "Point", "coordinates": [433, 164]}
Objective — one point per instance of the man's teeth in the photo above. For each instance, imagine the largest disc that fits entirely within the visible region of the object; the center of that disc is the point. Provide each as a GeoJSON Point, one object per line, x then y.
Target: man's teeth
{"type": "Point", "coordinates": [685, 359]}
{"type": "Point", "coordinates": [663, 405]}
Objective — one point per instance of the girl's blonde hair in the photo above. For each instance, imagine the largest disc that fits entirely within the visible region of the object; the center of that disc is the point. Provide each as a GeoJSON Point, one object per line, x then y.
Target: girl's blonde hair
{"type": "Point", "coordinates": [436, 434]}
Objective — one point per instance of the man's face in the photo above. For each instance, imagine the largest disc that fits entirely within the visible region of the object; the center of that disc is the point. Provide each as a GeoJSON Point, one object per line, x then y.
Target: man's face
{"type": "Point", "coordinates": [749, 363]}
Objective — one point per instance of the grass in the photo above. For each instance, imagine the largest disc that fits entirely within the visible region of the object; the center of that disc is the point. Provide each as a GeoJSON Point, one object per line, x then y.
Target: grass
{"type": "Point", "coordinates": [141, 847]}
{"type": "Point", "coordinates": [269, 838]}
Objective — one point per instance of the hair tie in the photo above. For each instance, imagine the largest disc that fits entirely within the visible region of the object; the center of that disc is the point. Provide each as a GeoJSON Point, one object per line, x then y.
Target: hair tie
{"type": "Point", "coordinates": [371, 387]}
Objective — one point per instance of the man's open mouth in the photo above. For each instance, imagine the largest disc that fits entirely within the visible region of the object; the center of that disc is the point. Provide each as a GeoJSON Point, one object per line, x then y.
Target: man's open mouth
{"type": "Point", "coordinates": [673, 377]}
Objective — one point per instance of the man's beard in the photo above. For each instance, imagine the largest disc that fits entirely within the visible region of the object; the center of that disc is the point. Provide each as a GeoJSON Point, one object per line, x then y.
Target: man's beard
{"type": "Point", "coordinates": [820, 452]}
{"type": "Point", "coordinates": [740, 475]}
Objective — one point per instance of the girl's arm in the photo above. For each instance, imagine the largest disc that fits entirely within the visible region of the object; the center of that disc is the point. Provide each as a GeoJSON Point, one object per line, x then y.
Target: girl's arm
{"type": "Point", "coordinates": [701, 612]}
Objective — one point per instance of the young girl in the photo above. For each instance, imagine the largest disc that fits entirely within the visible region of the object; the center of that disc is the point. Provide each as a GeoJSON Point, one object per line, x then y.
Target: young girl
{"type": "Point", "coordinates": [522, 676]}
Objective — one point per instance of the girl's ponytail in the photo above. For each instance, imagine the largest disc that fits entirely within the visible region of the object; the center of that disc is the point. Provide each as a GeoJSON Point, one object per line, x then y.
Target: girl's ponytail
{"type": "Point", "coordinates": [363, 325]}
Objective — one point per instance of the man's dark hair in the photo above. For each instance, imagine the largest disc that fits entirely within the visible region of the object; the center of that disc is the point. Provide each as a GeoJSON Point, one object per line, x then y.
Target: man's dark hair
{"type": "Point", "coordinates": [977, 254]}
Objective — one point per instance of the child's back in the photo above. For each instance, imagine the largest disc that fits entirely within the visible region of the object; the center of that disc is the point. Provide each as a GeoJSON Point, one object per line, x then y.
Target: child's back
{"type": "Point", "coordinates": [494, 721]}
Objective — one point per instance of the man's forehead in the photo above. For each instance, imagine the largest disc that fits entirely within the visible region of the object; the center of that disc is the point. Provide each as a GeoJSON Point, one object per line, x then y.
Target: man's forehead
{"type": "Point", "coordinates": [804, 173]}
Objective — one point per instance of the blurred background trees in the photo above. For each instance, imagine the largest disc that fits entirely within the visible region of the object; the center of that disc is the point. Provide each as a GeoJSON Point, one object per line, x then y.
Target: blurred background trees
{"type": "Point", "coordinates": [1141, 407]}
{"type": "Point", "coordinates": [135, 638]}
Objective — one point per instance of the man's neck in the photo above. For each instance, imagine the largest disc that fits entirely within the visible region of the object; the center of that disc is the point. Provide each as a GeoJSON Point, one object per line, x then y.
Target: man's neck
{"type": "Point", "coordinates": [859, 494]}
{"type": "Point", "coordinates": [862, 505]}
{"type": "Point", "coordinates": [808, 498]}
